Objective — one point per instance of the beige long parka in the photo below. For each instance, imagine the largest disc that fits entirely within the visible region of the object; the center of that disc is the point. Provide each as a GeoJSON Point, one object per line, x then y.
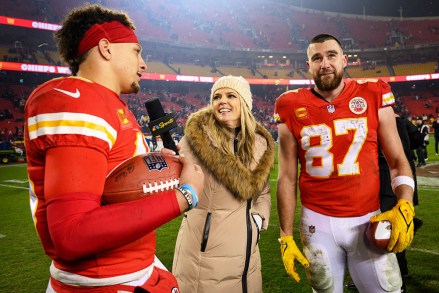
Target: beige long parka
{"type": "Point", "coordinates": [217, 245]}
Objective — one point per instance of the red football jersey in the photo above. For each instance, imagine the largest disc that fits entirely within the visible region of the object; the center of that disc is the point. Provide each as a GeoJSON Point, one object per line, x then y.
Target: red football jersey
{"type": "Point", "coordinates": [71, 111]}
{"type": "Point", "coordinates": [337, 146]}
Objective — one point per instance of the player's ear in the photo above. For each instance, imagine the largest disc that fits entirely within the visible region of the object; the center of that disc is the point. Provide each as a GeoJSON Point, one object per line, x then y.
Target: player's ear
{"type": "Point", "coordinates": [345, 60]}
{"type": "Point", "coordinates": [104, 48]}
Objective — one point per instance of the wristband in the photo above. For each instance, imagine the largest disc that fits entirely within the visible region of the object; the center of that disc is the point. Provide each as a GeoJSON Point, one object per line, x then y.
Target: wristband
{"type": "Point", "coordinates": [406, 180]}
{"type": "Point", "coordinates": [186, 195]}
{"type": "Point", "coordinates": [192, 192]}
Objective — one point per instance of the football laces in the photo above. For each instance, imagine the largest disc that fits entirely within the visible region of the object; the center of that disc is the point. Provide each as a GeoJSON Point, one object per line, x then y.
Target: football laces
{"type": "Point", "coordinates": [160, 186]}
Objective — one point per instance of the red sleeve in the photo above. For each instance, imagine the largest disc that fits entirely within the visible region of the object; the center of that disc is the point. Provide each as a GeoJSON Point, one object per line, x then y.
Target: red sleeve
{"type": "Point", "coordinates": [384, 91]}
{"type": "Point", "coordinates": [80, 227]}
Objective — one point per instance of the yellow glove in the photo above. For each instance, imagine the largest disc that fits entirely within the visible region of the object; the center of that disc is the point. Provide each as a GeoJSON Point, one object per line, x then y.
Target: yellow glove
{"type": "Point", "coordinates": [289, 251]}
{"type": "Point", "coordinates": [401, 217]}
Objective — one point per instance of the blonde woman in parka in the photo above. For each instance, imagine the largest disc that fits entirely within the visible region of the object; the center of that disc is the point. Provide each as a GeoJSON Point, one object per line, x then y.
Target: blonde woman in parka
{"type": "Point", "coordinates": [217, 245]}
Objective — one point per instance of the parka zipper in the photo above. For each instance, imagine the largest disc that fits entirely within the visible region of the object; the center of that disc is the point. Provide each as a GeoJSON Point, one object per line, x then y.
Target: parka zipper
{"type": "Point", "coordinates": [248, 248]}
{"type": "Point", "coordinates": [206, 232]}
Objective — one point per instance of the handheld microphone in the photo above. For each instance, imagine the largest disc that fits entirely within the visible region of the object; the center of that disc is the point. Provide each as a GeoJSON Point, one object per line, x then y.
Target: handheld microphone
{"type": "Point", "coordinates": [160, 123]}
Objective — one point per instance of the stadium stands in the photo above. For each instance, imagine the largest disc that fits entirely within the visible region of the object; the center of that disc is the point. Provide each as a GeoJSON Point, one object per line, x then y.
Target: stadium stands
{"type": "Point", "coordinates": [359, 71]}
{"type": "Point", "coordinates": [415, 68]}
{"type": "Point", "coordinates": [260, 25]}
{"type": "Point", "coordinates": [221, 35]}
{"type": "Point", "coordinates": [159, 67]}
{"type": "Point", "coordinates": [191, 69]}
{"type": "Point", "coordinates": [238, 71]}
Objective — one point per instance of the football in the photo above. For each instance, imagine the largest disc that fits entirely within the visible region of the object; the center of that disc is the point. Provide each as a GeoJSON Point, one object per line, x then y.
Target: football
{"type": "Point", "coordinates": [378, 234]}
{"type": "Point", "coordinates": [141, 176]}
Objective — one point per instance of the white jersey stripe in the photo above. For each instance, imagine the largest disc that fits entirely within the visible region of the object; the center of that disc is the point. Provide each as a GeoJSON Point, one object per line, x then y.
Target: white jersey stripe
{"type": "Point", "coordinates": [83, 281]}
{"type": "Point", "coordinates": [71, 123]}
{"type": "Point", "coordinates": [72, 130]}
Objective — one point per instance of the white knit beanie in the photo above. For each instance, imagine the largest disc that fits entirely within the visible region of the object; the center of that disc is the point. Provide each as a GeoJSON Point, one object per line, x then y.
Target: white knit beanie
{"type": "Point", "coordinates": [236, 83]}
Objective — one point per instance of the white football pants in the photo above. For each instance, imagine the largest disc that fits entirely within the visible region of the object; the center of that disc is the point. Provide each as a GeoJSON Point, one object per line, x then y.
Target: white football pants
{"type": "Point", "coordinates": [330, 242]}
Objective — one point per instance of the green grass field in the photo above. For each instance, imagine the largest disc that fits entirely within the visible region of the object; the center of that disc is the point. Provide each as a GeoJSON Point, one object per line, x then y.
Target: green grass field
{"type": "Point", "coordinates": [25, 268]}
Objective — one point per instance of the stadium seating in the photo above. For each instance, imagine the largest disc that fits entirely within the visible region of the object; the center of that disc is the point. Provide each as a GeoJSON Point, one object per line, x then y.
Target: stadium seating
{"type": "Point", "coordinates": [159, 67]}
{"type": "Point", "coordinates": [359, 71]}
{"type": "Point", "coordinates": [191, 69]}
{"type": "Point", "coordinates": [259, 25]}
{"type": "Point", "coordinates": [420, 31]}
{"type": "Point", "coordinates": [418, 108]}
{"type": "Point", "coordinates": [414, 68]}
{"type": "Point", "coordinates": [247, 26]}
{"type": "Point", "coordinates": [275, 73]}
{"type": "Point", "coordinates": [237, 71]}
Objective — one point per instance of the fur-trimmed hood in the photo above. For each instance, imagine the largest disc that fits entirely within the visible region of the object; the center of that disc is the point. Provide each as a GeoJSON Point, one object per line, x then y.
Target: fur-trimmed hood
{"type": "Point", "coordinates": [242, 182]}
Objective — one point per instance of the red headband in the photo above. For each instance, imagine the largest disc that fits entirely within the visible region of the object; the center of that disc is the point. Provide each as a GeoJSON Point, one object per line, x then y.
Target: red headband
{"type": "Point", "coordinates": [113, 31]}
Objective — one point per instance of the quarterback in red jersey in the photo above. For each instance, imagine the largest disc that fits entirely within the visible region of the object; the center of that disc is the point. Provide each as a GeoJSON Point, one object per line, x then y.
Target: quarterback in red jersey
{"type": "Point", "coordinates": [77, 130]}
{"type": "Point", "coordinates": [333, 131]}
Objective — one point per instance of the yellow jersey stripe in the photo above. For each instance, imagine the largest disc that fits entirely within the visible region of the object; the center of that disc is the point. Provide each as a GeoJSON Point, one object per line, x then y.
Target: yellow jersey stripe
{"type": "Point", "coordinates": [71, 123]}
{"type": "Point", "coordinates": [388, 99]}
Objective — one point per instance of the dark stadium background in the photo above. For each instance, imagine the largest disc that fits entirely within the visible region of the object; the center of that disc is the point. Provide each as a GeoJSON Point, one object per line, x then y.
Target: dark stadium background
{"type": "Point", "coordinates": [199, 41]}
{"type": "Point", "coordinates": [409, 8]}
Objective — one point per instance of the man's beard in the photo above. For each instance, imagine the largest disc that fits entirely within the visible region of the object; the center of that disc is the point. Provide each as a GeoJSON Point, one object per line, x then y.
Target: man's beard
{"type": "Point", "coordinates": [135, 87]}
{"type": "Point", "coordinates": [328, 84]}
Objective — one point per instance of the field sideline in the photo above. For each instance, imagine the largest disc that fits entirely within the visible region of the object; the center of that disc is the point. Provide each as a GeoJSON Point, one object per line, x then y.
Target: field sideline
{"type": "Point", "coordinates": [25, 267]}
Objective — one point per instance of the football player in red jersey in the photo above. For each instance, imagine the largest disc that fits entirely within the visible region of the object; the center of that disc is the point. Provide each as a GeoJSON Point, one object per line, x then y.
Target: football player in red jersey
{"type": "Point", "coordinates": [333, 130]}
{"type": "Point", "coordinates": [77, 130]}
